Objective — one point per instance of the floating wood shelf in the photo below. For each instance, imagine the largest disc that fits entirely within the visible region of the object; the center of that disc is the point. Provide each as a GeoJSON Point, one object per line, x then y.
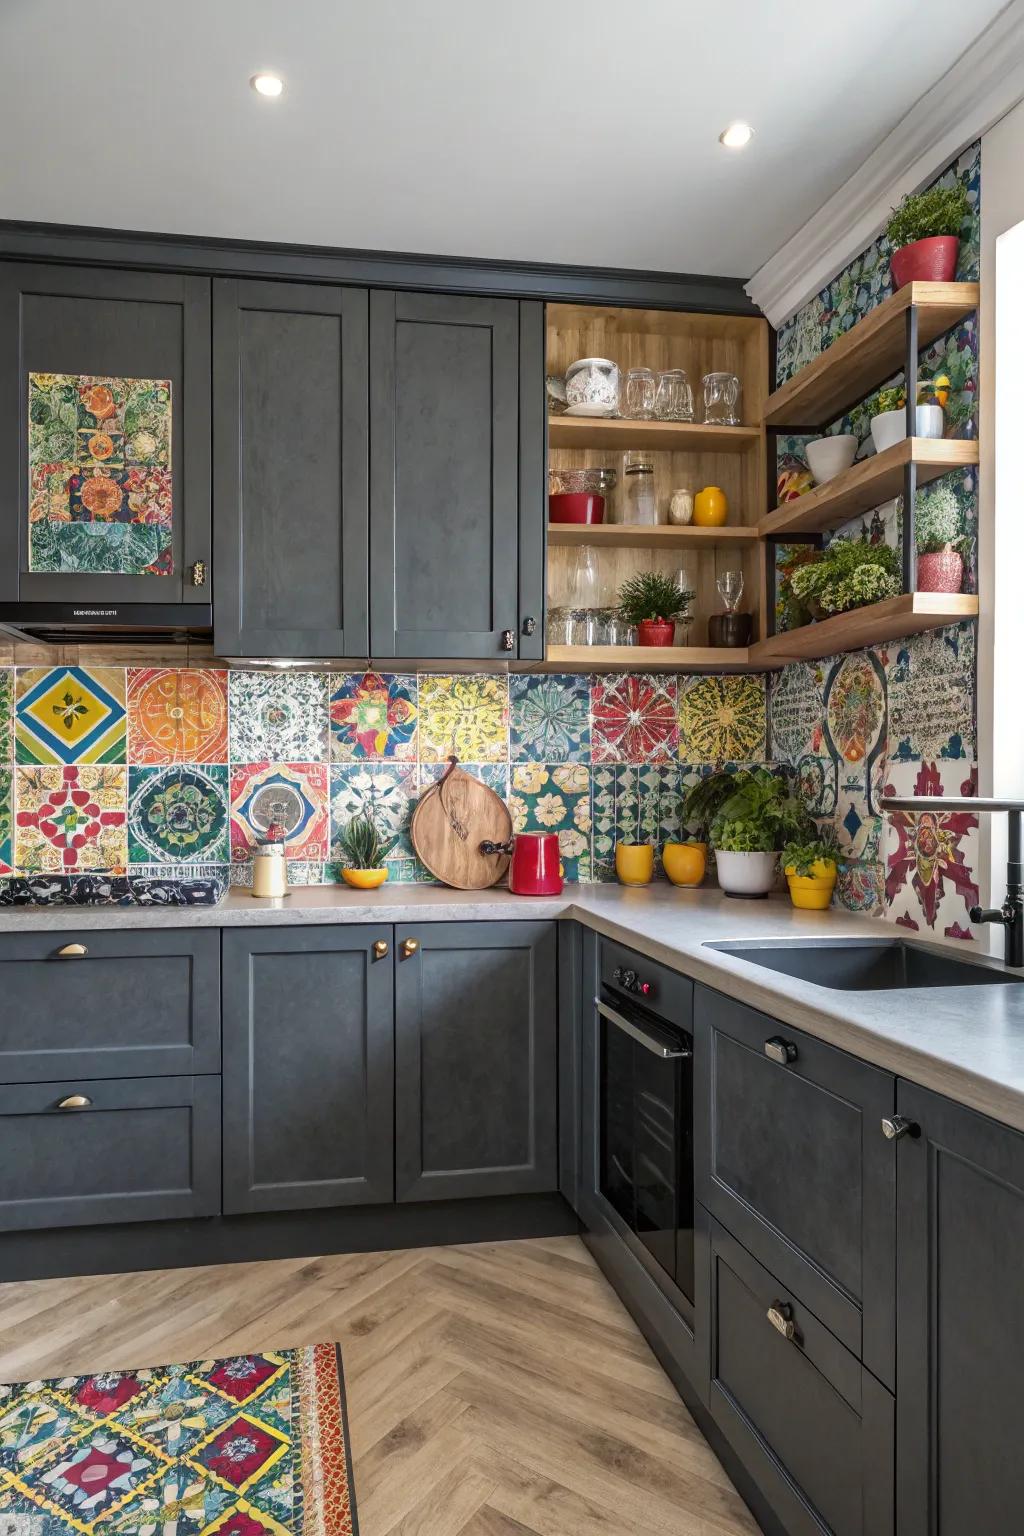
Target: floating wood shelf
{"type": "Point", "coordinates": [668, 436]}
{"type": "Point", "coordinates": [868, 354]}
{"type": "Point", "coordinates": [665, 536]}
{"type": "Point", "coordinates": [908, 614]}
{"type": "Point", "coordinates": [646, 658]}
{"type": "Point", "coordinates": [868, 484]}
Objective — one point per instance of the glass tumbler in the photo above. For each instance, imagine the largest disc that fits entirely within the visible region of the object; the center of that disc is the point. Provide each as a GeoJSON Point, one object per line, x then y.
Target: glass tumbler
{"type": "Point", "coordinates": [673, 400]}
{"type": "Point", "coordinates": [641, 390]}
{"type": "Point", "coordinates": [721, 399]}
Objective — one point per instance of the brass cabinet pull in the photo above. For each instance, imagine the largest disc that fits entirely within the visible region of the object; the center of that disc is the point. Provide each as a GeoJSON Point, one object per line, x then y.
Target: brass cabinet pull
{"type": "Point", "coordinates": [781, 1321]}
{"type": "Point", "coordinates": [72, 952]}
{"type": "Point", "coordinates": [75, 1101]}
{"type": "Point", "coordinates": [198, 573]}
{"type": "Point", "coordinates": [380, 949]}
{"type": "Point", "coordinates": [409, 947]}
{"type": "Point", "coordinates": [782, 1051]}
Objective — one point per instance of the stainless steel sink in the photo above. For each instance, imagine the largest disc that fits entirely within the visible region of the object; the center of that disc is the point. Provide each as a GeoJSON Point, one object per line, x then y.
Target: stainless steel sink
{"type": "Point", "coordinates": [866, 965]}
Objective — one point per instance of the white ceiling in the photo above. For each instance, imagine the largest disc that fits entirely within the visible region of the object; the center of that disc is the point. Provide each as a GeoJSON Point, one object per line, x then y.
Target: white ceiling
{"type": "Point", "coordinates": [534, 130]}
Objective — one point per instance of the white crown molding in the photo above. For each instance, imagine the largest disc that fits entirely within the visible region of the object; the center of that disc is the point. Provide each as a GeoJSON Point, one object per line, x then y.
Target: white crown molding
{"type": "Point", "coordinates": [981, 87]}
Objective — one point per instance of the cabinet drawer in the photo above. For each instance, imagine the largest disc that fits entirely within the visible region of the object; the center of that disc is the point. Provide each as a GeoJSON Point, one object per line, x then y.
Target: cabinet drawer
{"type": "Point", "coordinates": [792, 1159]}
{"type": "Point", "coordinates": [137, 1150]}
{"type": "Point", "coordinates": [811, 1425]}
{"type": "Point", "coordinates": [108, 1004]}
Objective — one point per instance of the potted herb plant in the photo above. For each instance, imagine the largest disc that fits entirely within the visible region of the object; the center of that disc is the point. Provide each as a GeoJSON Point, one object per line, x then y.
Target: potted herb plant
{"type": "Point", "coordinates": [653, 602]}
{"type": "Point", "coordinates": [924, 232]}
{"type": "Point", "coordinates": [811, 870]}
{"type": "Point", "coordinates": [752, 812]}
{"type": "Point", "coordinates": [850, 573]}
{"type": "Point", "coordinates": [364, 852]}
{"type": "Point", "coordinates": [685, 861]}
{"type": "Point", "coordinates": [941, 547]}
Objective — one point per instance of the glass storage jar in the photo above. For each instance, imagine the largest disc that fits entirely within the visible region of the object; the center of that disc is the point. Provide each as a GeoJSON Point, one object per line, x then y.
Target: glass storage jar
{"type": "Point", "coordinates": [639, 503]}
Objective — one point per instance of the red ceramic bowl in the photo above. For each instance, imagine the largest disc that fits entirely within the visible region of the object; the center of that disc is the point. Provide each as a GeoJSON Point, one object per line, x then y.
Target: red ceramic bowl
{"type": "Point", "coordinates": [575, 508]}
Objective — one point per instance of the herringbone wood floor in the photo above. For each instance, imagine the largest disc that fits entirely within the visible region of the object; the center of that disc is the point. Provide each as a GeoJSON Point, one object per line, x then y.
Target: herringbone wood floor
{"type": "Point", "coordinates": [497, 1389]}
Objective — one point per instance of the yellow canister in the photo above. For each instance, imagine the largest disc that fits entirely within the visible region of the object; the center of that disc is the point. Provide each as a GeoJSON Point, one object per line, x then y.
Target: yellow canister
{"type": "Point", "coordinates": [634, 863]}
{"type": "Point", "coordinates": [710, 507]}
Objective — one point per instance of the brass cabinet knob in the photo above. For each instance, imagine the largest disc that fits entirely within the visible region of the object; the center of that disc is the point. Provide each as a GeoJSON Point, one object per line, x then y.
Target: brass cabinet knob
{"type": "Point", "coordinates": [72, 952]}
{"type": "Point", "coordinates": [75, 1101]}
{"type": "Point", "coordinates": [380, 949]}
{"type": "Point", "coordinates": [409, 947]}
{"type": "Point", "coordinates": [781, 1321]}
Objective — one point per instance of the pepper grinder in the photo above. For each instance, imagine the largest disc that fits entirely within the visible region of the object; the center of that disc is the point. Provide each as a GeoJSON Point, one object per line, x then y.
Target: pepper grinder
{"type": "Point", "coordinates": [269, 864]}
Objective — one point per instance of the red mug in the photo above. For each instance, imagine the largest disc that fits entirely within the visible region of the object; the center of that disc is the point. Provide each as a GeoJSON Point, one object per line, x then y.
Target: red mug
{"type": "Point", "coordinates": [536, 868]}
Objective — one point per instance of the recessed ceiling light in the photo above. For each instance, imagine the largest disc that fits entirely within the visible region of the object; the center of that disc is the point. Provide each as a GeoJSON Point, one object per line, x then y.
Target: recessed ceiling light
{"type": "Point", "coordinates": [266, 84]}
{"type": "Point", "coordinates": [736, 136]}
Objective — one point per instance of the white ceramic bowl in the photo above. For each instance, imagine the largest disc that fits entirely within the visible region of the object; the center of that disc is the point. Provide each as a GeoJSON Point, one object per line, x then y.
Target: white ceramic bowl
{"type": "Point", "coordinates": [746, 874]}
{"type": "Point", "coordinates": [891, 426]}
{"type": "Point", "coordinates": [829, 456]}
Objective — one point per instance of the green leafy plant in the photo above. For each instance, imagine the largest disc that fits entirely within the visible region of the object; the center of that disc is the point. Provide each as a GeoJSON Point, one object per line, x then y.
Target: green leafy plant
{"type": "Point", "coordinates": [939, 211]}
{"type": "Point", "coordinates": [801, 855]}
{"type": "Point", "coordinates": [892, 399]}
{"type": "Point", "coordinates": [362, 846]}
{"type": "Point", "coordinates": [652, 595]}
{"type": "Point", "coordinates": [848, 574]}
{"type": "Point", "coordinates": [758, 814]}
{"type": "Point", "coordinates": [701, 802]}
{"type": "Point", "coordinates": [937, 522]}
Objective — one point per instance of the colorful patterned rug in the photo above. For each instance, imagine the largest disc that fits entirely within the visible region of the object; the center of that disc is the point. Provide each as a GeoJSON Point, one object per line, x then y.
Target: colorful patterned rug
{"type": "Point", "coordinates": [237, 1447]}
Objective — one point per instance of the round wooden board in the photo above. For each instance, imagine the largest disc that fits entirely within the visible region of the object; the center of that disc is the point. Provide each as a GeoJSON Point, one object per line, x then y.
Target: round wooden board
{"type": "Point", "coordinates": [450, 822]}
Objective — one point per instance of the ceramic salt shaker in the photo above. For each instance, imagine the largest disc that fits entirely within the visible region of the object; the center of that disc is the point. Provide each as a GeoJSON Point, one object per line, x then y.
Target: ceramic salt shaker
{"type": "Point", "coordinates": [680, 508]}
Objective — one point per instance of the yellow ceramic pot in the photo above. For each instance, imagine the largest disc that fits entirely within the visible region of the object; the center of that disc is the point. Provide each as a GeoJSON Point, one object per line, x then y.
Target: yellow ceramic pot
{"type": "Point", "coordinates": [710, 507]}
{"type": "Point", "coordinates": [634, 863]}
{"type": "Point", "coordinates": [364, 879]}
{"type": "Point", "coordinates": [685, 863]}
{"type": "Point", "coordinates": [813, 892]}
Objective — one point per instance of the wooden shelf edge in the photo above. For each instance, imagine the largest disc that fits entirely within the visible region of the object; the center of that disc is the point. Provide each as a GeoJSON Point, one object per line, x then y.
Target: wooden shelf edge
{"type": "Point", "coordinates": [619, 433]}
{"type": "Point", "coordinates": [909, 614]}
{"type": "Point", "coordinates": [664, 536]}
{"type": "Point", "coordinates": [867, 485]}
{"type": "Point", "coordinates": [645, 658]}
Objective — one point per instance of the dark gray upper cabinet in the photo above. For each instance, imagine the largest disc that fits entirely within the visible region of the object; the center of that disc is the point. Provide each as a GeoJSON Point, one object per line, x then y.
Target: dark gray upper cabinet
{"type": "Point", "coordinates": [308, 1068]}
{"type": "Point", "coordinates": [291, 438]}
{"type": "Point", "coordinates": [445, 498]}
{"type": "Point", "coordinates": [91, 322]}
{"type": "Point", "coordinates": [791, 1158]}
{"type": "Point", "coordinates": [960, 1321]}
{"type": "Point", "coordinates": [475, 1059]}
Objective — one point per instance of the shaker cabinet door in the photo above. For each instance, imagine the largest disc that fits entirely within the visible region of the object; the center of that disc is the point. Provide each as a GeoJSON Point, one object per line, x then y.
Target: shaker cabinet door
{"type": "Point", "coordinates": [290, 469]}
{"type": "Point", "coordinates": [444, 536]}
{"type": "Point", "coordinates": [104, 436]}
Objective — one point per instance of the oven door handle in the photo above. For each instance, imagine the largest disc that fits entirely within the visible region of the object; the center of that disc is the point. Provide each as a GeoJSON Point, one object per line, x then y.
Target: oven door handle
{"type": "Point", "coordinates": [647, 1039]}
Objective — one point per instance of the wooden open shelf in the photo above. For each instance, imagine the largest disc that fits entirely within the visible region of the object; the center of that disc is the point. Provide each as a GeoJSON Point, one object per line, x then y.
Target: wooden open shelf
{"type": "Point", "coordinates": [666, 536]}
{"type": "Point", "coordinates": [868, 354]}
{"type": "Point", "coordinates": [646, 658]}
{"type": "Point", "coordinates": [908, 614]}
{"type": "Point", "coordinates": [664, 436]}
{"type": "Point", "coordinates": [868, 484]}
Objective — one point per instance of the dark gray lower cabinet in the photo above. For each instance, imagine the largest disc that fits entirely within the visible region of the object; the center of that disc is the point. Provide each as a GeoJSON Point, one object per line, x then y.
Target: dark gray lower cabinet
{"type": "Point", "coordinates": [475, 1059]}
{"type": "Point", "coordinates": [308, 1068]}
{"type": "Point", "coordinates": [79, 1153]}
{"type": "Point", "coordinates": [960, 1321]}
{"type": "Point", "coordinates": [810, 1424]}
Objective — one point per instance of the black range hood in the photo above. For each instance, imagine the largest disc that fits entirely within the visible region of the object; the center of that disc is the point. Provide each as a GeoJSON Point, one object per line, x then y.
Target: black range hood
{"type": "Point", "coordinates": [117, 622]}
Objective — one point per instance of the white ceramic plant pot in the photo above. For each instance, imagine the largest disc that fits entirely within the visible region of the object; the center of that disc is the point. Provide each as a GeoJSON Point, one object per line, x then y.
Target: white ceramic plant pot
{"type": "Point", "coordinates": [746, 874]}
{"type": "Point", "coordinates": [830, 456]}
{"type": "Point", "coordinates": [891, 426]}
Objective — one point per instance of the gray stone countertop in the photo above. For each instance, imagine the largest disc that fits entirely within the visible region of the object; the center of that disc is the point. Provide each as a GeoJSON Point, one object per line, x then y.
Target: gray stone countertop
{"type": "Point", "coordinates": [966, 1042]}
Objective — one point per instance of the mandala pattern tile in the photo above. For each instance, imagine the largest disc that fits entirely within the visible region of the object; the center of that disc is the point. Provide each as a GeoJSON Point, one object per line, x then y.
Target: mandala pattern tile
{"type": "Point", "coordinates": [633, 719]}
{"type": "Point", "coordinates": [722, 719]}
{"type": "Point", "coordinates": [70, 715]}
{"type": "Point", "coordinates": [100, 476]}
{"type": "Point", "coordinates": [6, 714]}
{"type": "Point", "coordinates": [70, 820]}
{"type": "Point", "coordinates": [931, 695]}
{"type": "Point", "coordinates": [278, 717]}
{"type": "Point", "coordinates": [931, 856]}
{"type": "Point", "coordinates": [385, 791]}
{"type": "Point", "coordinates": [467, 716]}
{"type": "Point", "coordinates": [550, 718]}
{"type": "Point", "coordinates": [555, 797]}
{"type": "Point", "coordinates": [6, 820]}
{"type": "Point", "coordinates": [373, 716]}
{"type": "Point", "coordinates": [178, 815]}
{"type": "Point", "coordinates": [177, 715]}
{"type": "Point", "coordinates": [796, 708]}
{"type": "Point", "coordinates": [292, 794]}
{"type": "Point", "coordinates": [632, 805]}
{"type": "Point", "coordinates": [860, 886]}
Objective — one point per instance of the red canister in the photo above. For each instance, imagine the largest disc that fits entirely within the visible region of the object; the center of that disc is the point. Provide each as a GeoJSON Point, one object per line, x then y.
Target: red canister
{"type": "Point", "coordinates": [536, 868]}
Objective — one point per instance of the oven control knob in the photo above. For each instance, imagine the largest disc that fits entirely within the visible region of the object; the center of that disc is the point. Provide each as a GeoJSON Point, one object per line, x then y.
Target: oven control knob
{"type": "Point", "coordinates": [644, 988]}
{"type": "Point", "coordinates": [629, 980]}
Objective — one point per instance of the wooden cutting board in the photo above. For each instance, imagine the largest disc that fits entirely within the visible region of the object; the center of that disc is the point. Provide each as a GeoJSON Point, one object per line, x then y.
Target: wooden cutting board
{"type": "Point", "coordinates": [452, 819]}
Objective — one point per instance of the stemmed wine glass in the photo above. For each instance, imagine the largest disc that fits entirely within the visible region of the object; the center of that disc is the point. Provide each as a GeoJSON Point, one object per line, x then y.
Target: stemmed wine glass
{"type": "Point", "coordinates": [730, 589]}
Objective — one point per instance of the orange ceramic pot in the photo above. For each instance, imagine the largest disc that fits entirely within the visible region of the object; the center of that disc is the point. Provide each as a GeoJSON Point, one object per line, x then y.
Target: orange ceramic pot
{"type": "Point", "coordinates": [634, 863]}
{"type": "Point", "coordinates": [710, 507]}
{"type": "Point", "coordinates": [364, 879]}
{"type": "Point", "coordinates": [685, 863]}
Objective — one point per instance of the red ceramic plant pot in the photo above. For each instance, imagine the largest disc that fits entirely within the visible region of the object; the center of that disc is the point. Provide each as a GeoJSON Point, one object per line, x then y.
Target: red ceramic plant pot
{"type": "Point", "coordinates": [925, 261]}
{"type": "Point", "coordinates": [656, 631]}
{"type": "Point", "coordinates": [942, 571]}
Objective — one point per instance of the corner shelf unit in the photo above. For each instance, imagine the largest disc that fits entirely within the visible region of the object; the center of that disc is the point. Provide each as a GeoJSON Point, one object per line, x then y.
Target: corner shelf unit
{"type": "Point", "coordinates": [908, 614]}
{"type": "Point", "coordinates": [649, 658]}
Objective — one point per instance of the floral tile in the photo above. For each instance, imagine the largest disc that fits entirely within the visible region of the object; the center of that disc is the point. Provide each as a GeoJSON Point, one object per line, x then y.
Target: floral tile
{"type": "Point", "coordinates": [70, 820]}
{"type": "Point", "coordinates": [6, 714]}
{"type": "Point", "coordinates": [373, 716]}
{"type": "Point", "coordinates": [856, 711]}
{"type": "Point", "coordinates": [633, 719]}
{"type": "Point", "coordinates": [464, 715]}
{"type": "Point", "coordinates": [722, 718]}
{"type": "Point", "coordinates": [796, 711]}
{"type": "Point", "coordinates": [860, 886]}
{"type": "Point", "coordinates": [278, 717]}
{"type": "Point", "coordinates": [635, 805]}
{"type": "Point", "coordinates": [295, 795]}
{"type": "Point", "coordinates": [494, 775]}
{"type": "Point", "coordinates": [178, 814]}
{"type": "Point", "coordinates": [550, 718]}
{"type": "Point", "coordinates": [932, 857]}
{"type": "Point", "coordinates": [555, 797]}
{"type": "Point", "coordinates": [6, 821]}
{"type": "Point", "coordinates": [385, 791]}
{"type": "Point", "coordinates": [68, 715]}
{"type": "Point", "coordinates": [931, 695]}
{"type": "Point", "coordinates": [177, 715]}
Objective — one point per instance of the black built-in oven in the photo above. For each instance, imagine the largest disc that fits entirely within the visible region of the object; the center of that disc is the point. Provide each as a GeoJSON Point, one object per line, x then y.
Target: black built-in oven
{"type": "Point", "coordinates": [645, 1106]}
